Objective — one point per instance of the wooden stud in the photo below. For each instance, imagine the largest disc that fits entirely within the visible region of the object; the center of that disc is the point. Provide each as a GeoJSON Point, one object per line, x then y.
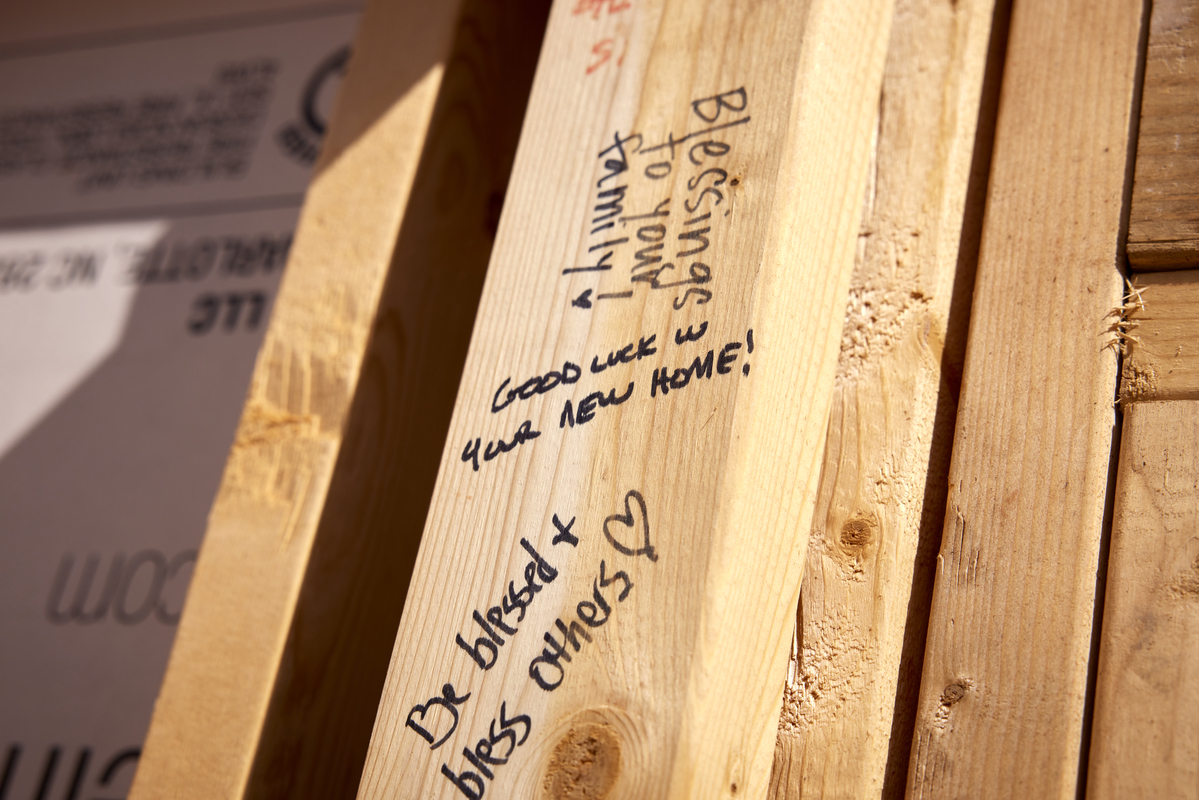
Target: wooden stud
{"type": "Point", "coordinates": [1163, 228]}
{"type": "Point", "coordinates": [845, 729]}
{"type": "Point", "coordinates": [650, 374]}
{"type": "Point", "coordinates": [1145, 739]}
{"type": "Point", "coordinates": [276, 672]}
{"type": "Point", "coordinates": [1005, 679]}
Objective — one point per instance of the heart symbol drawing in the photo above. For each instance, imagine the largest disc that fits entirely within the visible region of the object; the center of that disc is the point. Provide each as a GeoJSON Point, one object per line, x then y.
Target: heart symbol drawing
{"type": "Point", "coordinates": [627, 520]}
{"type": "Point", "coordinates": [447, 701]}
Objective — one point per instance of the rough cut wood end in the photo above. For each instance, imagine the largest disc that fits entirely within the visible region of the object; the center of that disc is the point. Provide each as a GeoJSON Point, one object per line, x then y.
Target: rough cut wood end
{"type": "Point", "coordinates": [1161, 356]}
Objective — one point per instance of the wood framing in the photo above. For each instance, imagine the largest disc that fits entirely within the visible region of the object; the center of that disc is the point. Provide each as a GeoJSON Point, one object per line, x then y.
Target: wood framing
{"type": "Point", "coordinates": [281, 653]}
{"type": "Point", "coordinates": [1145, 738]}
{"type": "Point", "coordinates": [848, 712]}
{"type": "Point", "coordinates": [1163, 229]}
{"type": "Point", "coordinates": [604, 599]}
{"type": "Point", "coordinates": [1004, 688]}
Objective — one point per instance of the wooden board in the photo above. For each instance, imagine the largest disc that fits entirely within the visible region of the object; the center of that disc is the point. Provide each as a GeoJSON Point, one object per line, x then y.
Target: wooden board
{"type": "Point", "coordinates": [1145, 740]}
{"type": "Point", "coordinates": [1163, 228]}
{"type": "Point", "coordinates": [281, 653]}
{"type": "Point", "coordinates": [852, 684]}
{"type": "Point", "coordinates": [1005, 679]}
{"type": "Point", "coordinates": [1161, 353]}
{"type": "Point", "coordinates": [604, 598]}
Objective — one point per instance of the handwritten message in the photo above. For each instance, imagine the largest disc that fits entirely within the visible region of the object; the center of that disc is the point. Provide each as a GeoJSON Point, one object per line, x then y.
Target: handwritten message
{"type": "Point", "coordinates": [705, 366]}
{"type": "Point", "coordinates": [641, 242]}
{"type": "Point", "coordinates": [436, 719]}
{"type": "Point", "coordinates": [655, 218]}
{"type": "Point", "coordinates": [660, 249]}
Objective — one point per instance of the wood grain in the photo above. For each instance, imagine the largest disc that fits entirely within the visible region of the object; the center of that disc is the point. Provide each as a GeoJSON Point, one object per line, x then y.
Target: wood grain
{"type": "Point", "coordinates": [674, 689]}
{"type": "Point", "coordinates": [1163, 228]}
{"type": "Point", "coordinates": [276, 672]}
{"type": "Point", "coordinates": [1145, 739]}
{"type": "Point", "coordinates": [1161, 351]}
{"type": "Point", "coordinates": [1003, 692]}
{"type": "Point", "coordinates": [845, 728]}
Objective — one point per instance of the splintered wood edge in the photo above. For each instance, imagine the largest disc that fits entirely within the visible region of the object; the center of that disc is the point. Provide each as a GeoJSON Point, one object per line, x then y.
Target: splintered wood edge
{"type": "Point", "coordinates": [1160, 331]}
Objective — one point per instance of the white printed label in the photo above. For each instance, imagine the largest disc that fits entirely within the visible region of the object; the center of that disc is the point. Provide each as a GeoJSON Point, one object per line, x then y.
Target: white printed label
{"type": "Point", "coordinates": [188, 122]}
{"type": "Point", "coordinates": [148, 196]}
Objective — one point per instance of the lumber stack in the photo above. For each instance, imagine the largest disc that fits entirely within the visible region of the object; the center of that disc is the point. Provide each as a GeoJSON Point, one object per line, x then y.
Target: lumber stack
{"type": "Point", "coordinates": [765, 272]}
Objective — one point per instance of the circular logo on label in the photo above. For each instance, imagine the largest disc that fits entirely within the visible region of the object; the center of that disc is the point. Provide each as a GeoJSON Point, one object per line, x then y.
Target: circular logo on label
{"type": "Point", "coordinates": [301, 139]}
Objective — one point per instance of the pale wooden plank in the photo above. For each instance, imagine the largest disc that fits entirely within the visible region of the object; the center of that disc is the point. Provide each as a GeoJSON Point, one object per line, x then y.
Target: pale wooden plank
{"type": "Point", "coordinates": [1163, 227]}
{"type": "Point", "coordinates": [1161, 349]}
{"type": "Point", "coordinates": [854, 677]}
{"type": "Point", "coordinates": [677, 693]}
{"type": "Point", "coordinates": [277, 669]}
{"type": "Point", "coordinates": [1003, 691]}
{"type": "Point", "coordinates": [1145, 739]}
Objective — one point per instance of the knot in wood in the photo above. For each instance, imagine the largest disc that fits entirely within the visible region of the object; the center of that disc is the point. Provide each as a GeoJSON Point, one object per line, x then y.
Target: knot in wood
{"type": "Point", "coordinates": [953, 693]}
{"type": "Point", "coordinates": [584, 765]}
{"type": "Point", "coordinates": [856, 533]}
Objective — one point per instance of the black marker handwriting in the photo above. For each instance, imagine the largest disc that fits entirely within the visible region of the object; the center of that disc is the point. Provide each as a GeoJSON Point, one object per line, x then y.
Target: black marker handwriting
{"type": "Point", "coordinates": [546, 670]}
{"type": "Point", "coordinates": [564, 534]}
{"type": "Point", "coordinates": [620, 163]}
{"type": "Point", "coordinates": [523, 434]}
{"type": "Point", "coordinates": [610, 208]}
{"type": "Point", "coordinates": [658, 211]}
{"type": "Point", "coordinates": [695, 336]}
{"type": "Point", "coordinates": [664, 379]}
{"type": "Point", "coordinates": [672, 142]}
{"type": "Point", "coordinates": [600, 266]}
{"type": "Point", "coordinates": [586, 410]}
{"type": "Point", "coordinates": [448, 700]}
{"type": "Point", "coordinates": [587, 406]}
{"type": "Point", "coordinates": [538, 384]}
{"type": "Point", "coordinates": [630, 352]}
{"type": "Point", "coordinates": [485, 754]}
{"type": "Point", "coordinates": [615, 528]}
{"type": "Point", "coordinates": [720, 101]}
{"type": "Point", "coordinates": [584, 300]}
{"type": "Point", "coordinates": [486, 648]}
